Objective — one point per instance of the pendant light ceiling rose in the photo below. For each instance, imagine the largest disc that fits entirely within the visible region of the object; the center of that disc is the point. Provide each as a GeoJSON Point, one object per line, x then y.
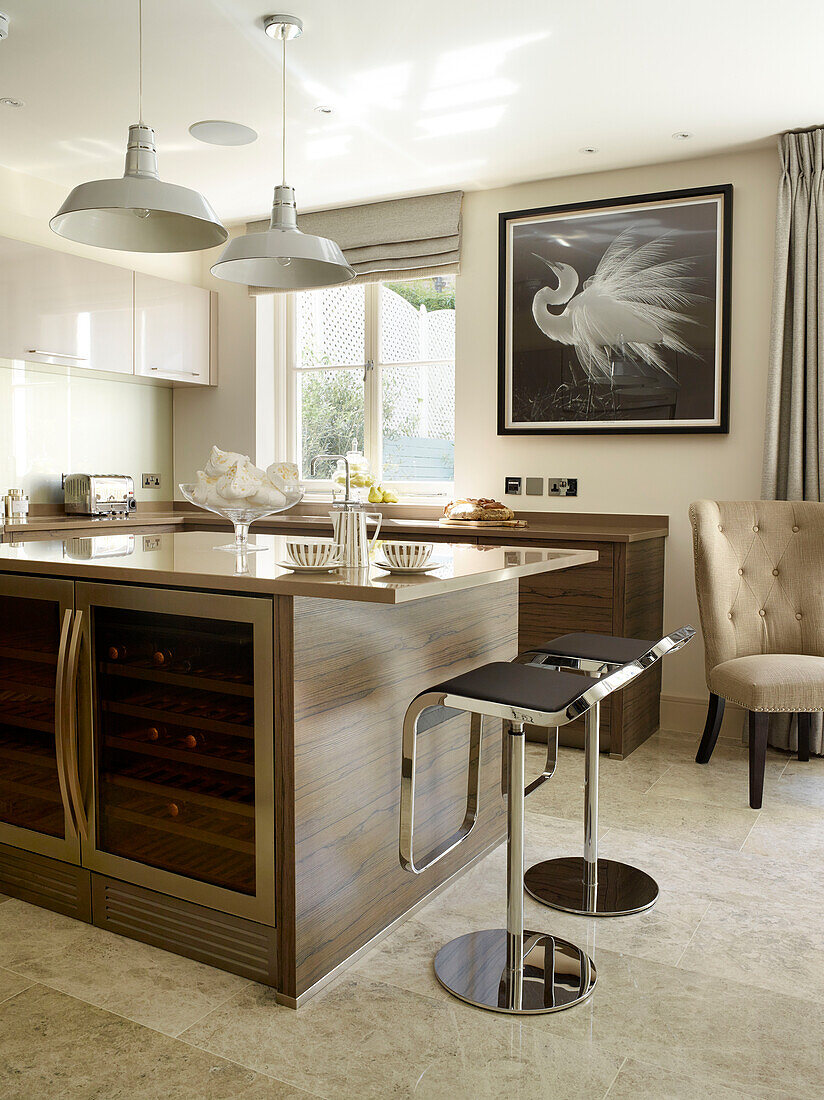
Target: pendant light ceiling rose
{"type": "Point", "coordinates": [283, 257]}
{"type": "Point", "coordinates": [139, 213]}
{"type": "Point", "coordinates": [283, 27]}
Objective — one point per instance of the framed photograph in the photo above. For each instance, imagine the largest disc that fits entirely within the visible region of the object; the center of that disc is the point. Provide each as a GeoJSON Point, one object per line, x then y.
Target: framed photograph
{"type": "Point", "coordinates": [614, 316]}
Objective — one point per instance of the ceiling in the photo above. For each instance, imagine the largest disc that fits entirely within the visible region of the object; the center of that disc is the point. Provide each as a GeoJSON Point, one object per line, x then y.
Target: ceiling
{"type": "Point", "coordinates": [463, 93]}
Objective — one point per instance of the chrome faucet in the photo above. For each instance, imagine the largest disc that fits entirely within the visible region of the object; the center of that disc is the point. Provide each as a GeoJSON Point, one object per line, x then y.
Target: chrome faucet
{"type": "Point", "coordinates": [347, 499]}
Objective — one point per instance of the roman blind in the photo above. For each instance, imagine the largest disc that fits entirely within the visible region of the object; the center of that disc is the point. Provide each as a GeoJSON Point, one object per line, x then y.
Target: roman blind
{"type": "Point", "coordinates": [399, 238]}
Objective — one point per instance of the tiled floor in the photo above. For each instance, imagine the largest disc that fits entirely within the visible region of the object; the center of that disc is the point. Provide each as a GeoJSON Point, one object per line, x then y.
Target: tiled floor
{"type": "Point", "coordinates": [715, 992]}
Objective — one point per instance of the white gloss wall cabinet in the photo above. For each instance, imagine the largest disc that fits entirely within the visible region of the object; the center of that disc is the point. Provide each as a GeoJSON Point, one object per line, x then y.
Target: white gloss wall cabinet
{"type": "Point", "coordinates": [62, 309]}
{"type": "Point", "coordinates": [173, 330]}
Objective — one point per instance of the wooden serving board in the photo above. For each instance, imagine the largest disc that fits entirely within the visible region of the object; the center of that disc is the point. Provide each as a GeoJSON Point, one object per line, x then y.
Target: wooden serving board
{"type": "Point", "coordinates": [486, 524]}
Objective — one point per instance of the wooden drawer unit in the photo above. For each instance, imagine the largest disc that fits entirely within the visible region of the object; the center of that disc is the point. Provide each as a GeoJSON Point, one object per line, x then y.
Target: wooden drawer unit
{"type": "Point", "coordinates": [621, 594]}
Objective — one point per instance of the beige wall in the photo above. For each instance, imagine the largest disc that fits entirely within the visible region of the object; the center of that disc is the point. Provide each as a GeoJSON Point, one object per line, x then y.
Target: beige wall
{"type": "Point", "coordinates": [652, 474]}
{"type": "Point", "coordinates": [225, 415]}
{"type": "Point", "coordinates": [53, 421]}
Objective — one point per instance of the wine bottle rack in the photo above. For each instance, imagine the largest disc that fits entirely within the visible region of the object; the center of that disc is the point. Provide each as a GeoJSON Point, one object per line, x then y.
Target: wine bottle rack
{"type": "Point", "coordinates": [175, 745]}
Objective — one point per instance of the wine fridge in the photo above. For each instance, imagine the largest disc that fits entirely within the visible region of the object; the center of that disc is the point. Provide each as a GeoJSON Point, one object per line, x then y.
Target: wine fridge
{"type": "Point", "coordinates": [35, 622]}
{"type": "Point", "coordinates": [136, 738]}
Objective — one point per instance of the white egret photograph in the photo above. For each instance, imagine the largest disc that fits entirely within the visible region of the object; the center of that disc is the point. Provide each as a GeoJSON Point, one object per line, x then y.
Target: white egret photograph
{"type": "Point", "coordinates": [614, 315]}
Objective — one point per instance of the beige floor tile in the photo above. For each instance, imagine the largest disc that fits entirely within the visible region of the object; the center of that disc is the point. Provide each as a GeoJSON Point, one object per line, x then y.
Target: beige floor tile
{"type": "Point", "coordinates": [703, 1026]}
{"type": "Point", "coordinates": [702, 872]}
{"type": "Point", "coordinates": [29, 934]}
{"type": "Point", "coordinates": [786, 832]}
{"type": "Point", "coordinates": [363, 1038]}
{"type": "Point", "coordinates": [681, 748]}
{"type": "Point", "coordinates": [153, 987]}
{"type": "Point", "coordinates": [55, 1046]}
{"type": "Point", "coordinates": [636, 1080]}
{"type": "Point", "coordinates": [677, 818]}
{"type": "Point", "coordinates": [12, 984]}
{"type": "Point", "coordinates": [725, 786]}
{"type": "Point", "coordinates": [770, 945]}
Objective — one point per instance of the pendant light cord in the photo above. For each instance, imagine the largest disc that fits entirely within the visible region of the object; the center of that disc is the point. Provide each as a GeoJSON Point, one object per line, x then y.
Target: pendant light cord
{"type": "Point", "coordinates": [140, 61]}
{"type": "Point", "coordinates": [283, 100]}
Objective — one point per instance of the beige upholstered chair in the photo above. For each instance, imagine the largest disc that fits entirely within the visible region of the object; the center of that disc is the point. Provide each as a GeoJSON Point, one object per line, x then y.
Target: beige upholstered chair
{"type": "Point", "coordinates": [759, 575]}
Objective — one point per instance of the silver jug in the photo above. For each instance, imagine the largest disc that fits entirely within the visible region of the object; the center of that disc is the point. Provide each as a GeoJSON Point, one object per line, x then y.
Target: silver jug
{"type": "Point", "coordinates": [351, 537]}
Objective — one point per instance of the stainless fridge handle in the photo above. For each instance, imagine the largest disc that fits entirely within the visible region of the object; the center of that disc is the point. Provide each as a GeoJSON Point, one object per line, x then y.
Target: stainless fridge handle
{"type": "Point", "coordinates": [70, 697]}
{"type": "Point", "coordinates": [59, 708]}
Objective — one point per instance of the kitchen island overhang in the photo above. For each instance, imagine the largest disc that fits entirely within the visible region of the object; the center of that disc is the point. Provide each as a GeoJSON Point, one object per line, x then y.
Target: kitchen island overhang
{"type": "Point", "coordinates": [349, 653]}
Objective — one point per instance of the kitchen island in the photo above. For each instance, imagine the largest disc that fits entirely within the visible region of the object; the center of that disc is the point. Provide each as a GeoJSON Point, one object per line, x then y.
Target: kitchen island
{"type": "Point", "coordinates": [210, 761]}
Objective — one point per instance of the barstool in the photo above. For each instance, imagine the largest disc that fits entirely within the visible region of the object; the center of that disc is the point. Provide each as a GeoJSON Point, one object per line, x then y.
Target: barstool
{"type": "Point", "coordinates": [585, 884]}
{"type": "Point", "coordinates": [504, 970]}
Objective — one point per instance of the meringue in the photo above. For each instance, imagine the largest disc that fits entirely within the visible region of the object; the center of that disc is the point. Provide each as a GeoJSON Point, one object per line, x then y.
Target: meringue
{"type": "Point", "coordinates": [231, 480]}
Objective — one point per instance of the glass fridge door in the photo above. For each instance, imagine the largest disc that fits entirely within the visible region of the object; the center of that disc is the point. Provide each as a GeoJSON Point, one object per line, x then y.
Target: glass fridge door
{"type": "Point", "coordinates": [180, 706]}
{"type": "Point", "coordinates": [35, 625]}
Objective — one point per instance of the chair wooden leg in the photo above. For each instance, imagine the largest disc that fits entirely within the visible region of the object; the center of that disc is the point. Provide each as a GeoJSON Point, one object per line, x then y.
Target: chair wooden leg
{"type": "Point", "coordinates": [715, 712]}
{"type": "Point", "coordinates": [759, 721]}
{"type": "Point", "coordinates": [803, 736]}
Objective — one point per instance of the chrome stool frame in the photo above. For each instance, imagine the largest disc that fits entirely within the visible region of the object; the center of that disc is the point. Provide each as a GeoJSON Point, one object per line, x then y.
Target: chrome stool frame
{"type": "Point", "coordinates": [588, 885]}
{"type": "Point", "coordinates": [503, 969]}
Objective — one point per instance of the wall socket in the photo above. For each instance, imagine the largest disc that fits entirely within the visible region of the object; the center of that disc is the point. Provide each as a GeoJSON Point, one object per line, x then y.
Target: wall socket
{"type": "Point", "coordinates": [151, 542]}
{"type": "Point", "coordinates": [512, 486]}
{"type": "Point", "coordinates": [563, 486]}
{"type": "Point", "coordinates": [151, 481]}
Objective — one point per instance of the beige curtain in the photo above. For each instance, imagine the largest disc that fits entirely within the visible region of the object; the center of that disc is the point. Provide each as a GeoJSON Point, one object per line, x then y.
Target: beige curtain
{"type": "Point", "coordinates": [400, 238]}
{"type": "Point", "coordinates": [794, 441]}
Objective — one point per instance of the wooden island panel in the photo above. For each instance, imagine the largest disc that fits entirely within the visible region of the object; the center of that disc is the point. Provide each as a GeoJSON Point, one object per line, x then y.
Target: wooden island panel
{"type": "Point", "coordinates": [355, 670]}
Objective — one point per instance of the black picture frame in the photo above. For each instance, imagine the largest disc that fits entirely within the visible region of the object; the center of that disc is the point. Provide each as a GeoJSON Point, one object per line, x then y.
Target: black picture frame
{"type": "Point", "coordinates": [691, 203]}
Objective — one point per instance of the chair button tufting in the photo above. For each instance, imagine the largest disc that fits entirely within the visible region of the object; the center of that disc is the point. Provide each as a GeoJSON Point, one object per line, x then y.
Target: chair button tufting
{"type": "Point", "coordinates": [762, 612]}
{"type": "Point", "coordinates": [729, 614]}
{"type": "Point", "coordinates": [755, 528]}
{"type": "Point", "coordinates": [798, 614]}
{"type": "Point", "coordinates": [720, 528]}
{"type": "Point", "coordinates": [795, 529]}
{"type": "Point", "coordinates": [740, 572]}
{"type": "Point", "coordinates": [775, 572]}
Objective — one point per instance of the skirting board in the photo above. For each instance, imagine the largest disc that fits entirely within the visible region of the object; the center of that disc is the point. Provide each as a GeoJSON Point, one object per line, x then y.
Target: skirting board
{"type": "Point", "coordinates": [687, 715]}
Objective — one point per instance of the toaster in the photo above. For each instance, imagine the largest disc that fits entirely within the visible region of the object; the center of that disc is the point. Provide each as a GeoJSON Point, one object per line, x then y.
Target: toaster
{"type": "Point", "coordinates": [99, 494]}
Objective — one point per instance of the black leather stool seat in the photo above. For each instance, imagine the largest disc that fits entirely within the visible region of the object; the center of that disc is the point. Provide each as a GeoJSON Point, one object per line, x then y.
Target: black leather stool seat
{"type": "Point", "coordinates": [596, 647]}
{"type": "Point", "coordinates": [526, 686]}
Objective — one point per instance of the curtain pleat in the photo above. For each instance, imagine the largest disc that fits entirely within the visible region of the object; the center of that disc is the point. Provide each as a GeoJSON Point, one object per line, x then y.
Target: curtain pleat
{"type": "Point", "coordinates": [793, 443]}
{"type": "Point", "coordinates": [400, 238]}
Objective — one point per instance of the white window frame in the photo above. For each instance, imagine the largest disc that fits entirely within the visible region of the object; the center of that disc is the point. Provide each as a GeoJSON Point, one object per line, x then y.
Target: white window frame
{"type": "Point", "coordinates": [287, 421]}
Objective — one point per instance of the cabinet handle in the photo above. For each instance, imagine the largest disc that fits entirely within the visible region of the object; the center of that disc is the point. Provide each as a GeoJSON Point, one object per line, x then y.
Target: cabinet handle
{"type": "Point", "coordinates": [58, 355]}
{"type": "Point", "coordinates": [59, 736]}
{"type": "Point", "coordinates": [168, 370]}
{"type": "Point", "coordinates": [70, 698]}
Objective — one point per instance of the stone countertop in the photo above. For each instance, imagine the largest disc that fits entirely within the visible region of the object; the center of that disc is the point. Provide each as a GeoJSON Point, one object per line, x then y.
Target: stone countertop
{"type": "Point", "coordinates": [189, 559]}
{"type": "Point", "coordinates": [313, 518]}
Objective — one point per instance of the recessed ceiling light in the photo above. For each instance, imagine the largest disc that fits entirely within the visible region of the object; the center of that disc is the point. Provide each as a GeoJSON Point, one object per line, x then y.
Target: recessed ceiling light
{"type": "Point", "coordinates": [216, 131]}
{"type": "Point", "coordinates": [7, 101]}
{"type": "Point", "coordinates": [588, 149]}
{"type": "Point", "coordinates": [324, 109]}
{"type": "Point", "coordinates": [682, 135]}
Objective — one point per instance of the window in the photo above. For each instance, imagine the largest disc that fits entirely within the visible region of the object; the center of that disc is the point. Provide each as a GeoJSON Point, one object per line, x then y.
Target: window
{"type": "Point", "coordinates": [374, 363]}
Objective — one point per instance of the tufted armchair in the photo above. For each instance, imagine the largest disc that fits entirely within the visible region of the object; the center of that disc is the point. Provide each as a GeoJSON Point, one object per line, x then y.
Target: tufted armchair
{"type": "Point", "coordinates": [759, 575]}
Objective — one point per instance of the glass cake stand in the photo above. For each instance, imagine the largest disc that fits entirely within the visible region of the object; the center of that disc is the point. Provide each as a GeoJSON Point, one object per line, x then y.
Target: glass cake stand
{"type": "Point", "coordinates": [242, 517]}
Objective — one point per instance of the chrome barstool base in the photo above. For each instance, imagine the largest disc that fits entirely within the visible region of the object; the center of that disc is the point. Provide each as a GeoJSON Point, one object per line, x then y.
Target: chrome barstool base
{"type": "Point", "coordinates": [620, 891]}
{"type": "Point", "coordinates": [556, 973]}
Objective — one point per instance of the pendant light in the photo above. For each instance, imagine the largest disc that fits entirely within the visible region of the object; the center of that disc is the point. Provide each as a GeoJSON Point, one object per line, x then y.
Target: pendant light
{"type": "Point", "coordinates": [139, 213]}
{"type": "Point", "coordinates": [282, 256]}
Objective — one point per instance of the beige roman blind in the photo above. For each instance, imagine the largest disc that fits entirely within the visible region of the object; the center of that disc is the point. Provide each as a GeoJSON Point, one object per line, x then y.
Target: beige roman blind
{"type": "Point", "coordinates": [404, 238]}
